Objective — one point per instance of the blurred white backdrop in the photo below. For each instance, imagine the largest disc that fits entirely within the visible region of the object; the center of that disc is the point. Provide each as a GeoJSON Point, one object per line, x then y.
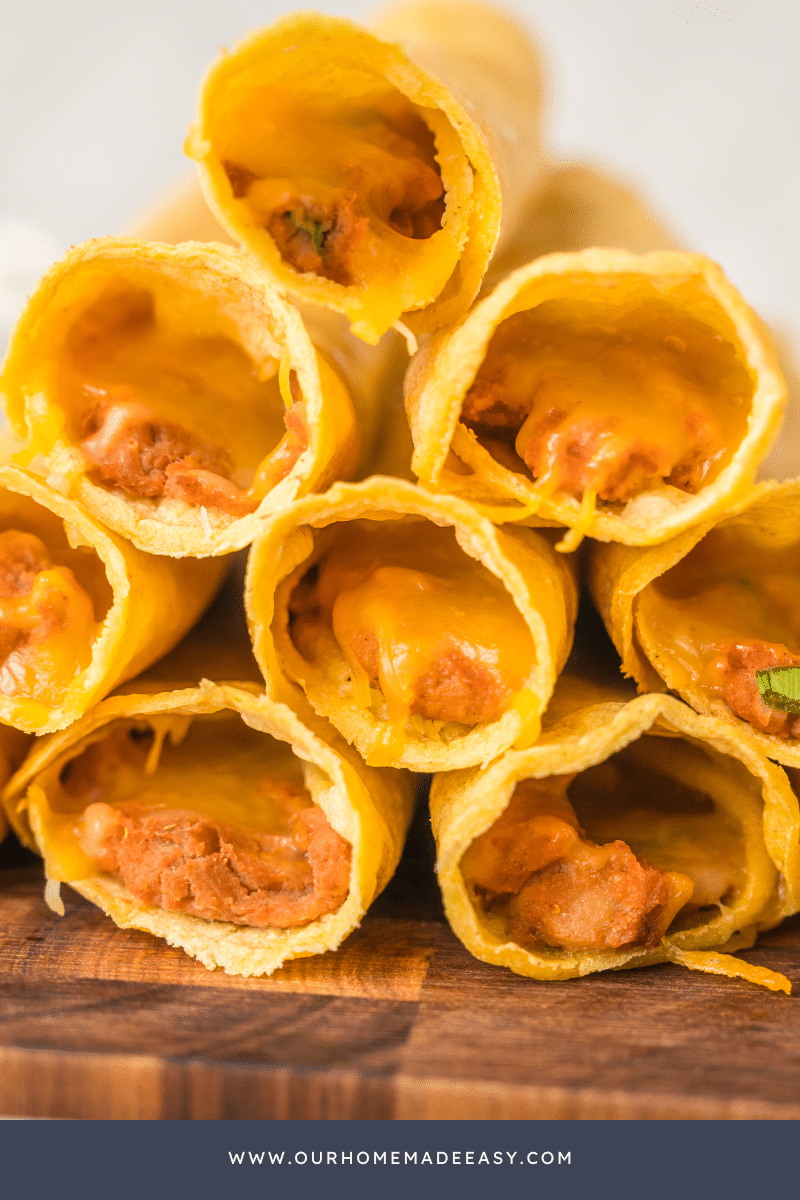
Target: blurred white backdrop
{"type": "Point", "coordinates": [697, 102]}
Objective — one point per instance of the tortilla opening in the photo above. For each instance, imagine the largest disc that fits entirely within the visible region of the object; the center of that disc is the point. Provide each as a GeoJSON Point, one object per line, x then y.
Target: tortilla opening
{"type": "Point", "coordinates": [201, 815]}
{"type": "Point", "coordinates": [615, 857]}
{"type": "Point", "coordinates": [409, 628]}
{"type": "Point", "coordinates": [606, 388]}
{"type": "Point", "coordinates": [155, 386]}
{"type": "Point", "coordinates": [334, 177]}
{"type": "Point", "coordinates": [723, 613]}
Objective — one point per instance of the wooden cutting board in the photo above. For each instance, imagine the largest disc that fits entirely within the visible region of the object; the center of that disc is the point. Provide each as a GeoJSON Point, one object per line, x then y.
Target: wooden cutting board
{"type": "Point", "coordinates": [399, 1023]}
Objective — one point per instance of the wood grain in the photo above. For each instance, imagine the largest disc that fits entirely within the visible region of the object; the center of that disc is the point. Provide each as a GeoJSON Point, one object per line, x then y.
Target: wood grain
{"type": "Point", "coordinates": [386, 959]}
{"type": "Point", "coordinates": [400, 1023]}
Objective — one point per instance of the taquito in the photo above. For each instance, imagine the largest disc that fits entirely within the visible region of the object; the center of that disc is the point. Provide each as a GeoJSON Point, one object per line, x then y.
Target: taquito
{"type": "Point", "coordinates": [429, 638]}
{"type": "Point", "coordinates": [81, 609]}
{"type": "Point", "coordinates": [711, 613]}
{"type": "Point", "coordinates": [214, 819]}
{"type": "Point", "coordinates": [625, 396]}
{"type": "Point", "coordinates": [13, 747]}
{"type": "Point", "coordinates": [580, 207]}
{"type": "Point", "coordinates": [634, 832]}
{"type": "Point", "coordinates": [175, 392]}
{"type": "Point", "coordinates": [358, 180]}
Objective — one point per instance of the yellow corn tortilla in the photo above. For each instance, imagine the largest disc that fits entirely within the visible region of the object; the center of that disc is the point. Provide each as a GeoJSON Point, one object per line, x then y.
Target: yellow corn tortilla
{"type": "Point", "coordinates": [312, 71]}
{"type": "Point", "coordinates": [488, 57]}
{"type": "Point", "coordinates": [577, 207]}
{"type": "Point", "coordinates": [539, 581]}
{"type": "Point", "coordinates": [200, 292]}
{"type": "Point", "coordinates": [143, 603]}
{"type": "Point", "coordinates": [694, 288]}
{"type": "Point", "coordinates": [585, 724]}
{"type": "Point", "coordinates": [769, 517]}
{"type": "Point", "coordinates": [369, 809]}
{"type": "Point", "coordinates": [13, 747]}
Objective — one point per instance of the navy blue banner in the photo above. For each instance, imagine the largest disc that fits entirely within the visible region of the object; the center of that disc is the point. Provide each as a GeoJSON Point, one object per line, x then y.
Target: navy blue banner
{"type": "Point", "coordinates": [137, 1160]}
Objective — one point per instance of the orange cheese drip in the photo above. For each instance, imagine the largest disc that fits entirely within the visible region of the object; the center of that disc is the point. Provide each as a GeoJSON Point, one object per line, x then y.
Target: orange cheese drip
{"type": "Point", "coordinates": [609, 405]}
{"type": "Point", "coordinates": [47, 621]}
{"type": "Point", "coordinates": [424, 623]}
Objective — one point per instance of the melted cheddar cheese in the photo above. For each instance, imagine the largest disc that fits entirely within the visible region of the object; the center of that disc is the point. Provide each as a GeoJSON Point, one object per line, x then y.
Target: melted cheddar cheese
{"type": "Point", "coordinates": [47, 621]}
{"type": "Point", "coordinates": [605, 400]}
{"type": "Point", "coordinates": [421, 625]}
{"type": "Point", "coordinates": [139, 359]}
{"type": "Point", "coordinates": [340, 174]}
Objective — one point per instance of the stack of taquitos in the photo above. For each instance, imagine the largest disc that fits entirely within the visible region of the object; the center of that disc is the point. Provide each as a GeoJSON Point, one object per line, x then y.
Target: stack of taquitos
{"type": "Point", "coordinates": [138, 376]}
{"type": "Point", "coordinates": [625, 397]}
{"type": "Point", "coordinates": [629, 397]}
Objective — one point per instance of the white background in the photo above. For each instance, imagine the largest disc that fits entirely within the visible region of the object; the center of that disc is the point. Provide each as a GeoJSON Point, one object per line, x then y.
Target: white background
{"type": "Point", "coordinates": [697, 103]}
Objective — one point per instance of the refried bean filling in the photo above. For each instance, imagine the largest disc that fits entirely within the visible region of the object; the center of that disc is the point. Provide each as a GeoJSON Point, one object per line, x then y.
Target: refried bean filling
{"type": "Point", "coordinates": [556, 883]}
{"type": "Point", "coordinates": [416, 619]}
{"type": "Point", "coordinates": [604, 404]}
{"type": "Point", "coordinates": [220, 825]}
{"type": "Point", "coordinates": [316, 192]}
{"type": "Point", "coordinates": [133, 382]}
{"type": "Point", "coordinates": [723, 613]}
{"type": "Point", "coordinates": [47, 621]}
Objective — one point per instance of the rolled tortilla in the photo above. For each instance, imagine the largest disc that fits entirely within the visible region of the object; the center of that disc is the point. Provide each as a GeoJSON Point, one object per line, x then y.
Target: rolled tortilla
{"type": "Point", "coordinates": [174, 391]}
{"type": "Point", "coordinates": [214, 819]}
{"type": "Point", "coordinates": [428, 637]}
{"type": "Point", "coordinates": [81, 609]}
{"type": "Point", "coordinates": [579, 207]}
{"type": "Point", "coordinates": [635, 832]}
{"type": "Point", "coordinates": [626, 396]}
{"type": "Point", "coordinates": [359, 181]}
{"type": "Point", "coordinates": [13, 748]}
{"type": "Point", "coordinates": [703, 613]}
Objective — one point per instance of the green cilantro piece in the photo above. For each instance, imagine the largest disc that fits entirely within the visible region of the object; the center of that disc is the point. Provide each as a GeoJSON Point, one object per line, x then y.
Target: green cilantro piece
{"type": "Point", "coordinates": [312, 228]}
{"type": "Point", "coordinates": [780, 688]}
